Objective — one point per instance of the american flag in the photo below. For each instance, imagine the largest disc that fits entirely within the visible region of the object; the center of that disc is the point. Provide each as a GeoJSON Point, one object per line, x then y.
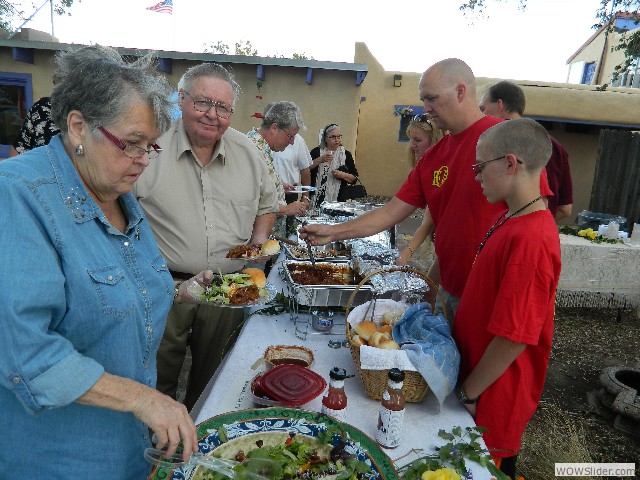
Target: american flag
{"type": "Point", "coordinates": [165, 6]}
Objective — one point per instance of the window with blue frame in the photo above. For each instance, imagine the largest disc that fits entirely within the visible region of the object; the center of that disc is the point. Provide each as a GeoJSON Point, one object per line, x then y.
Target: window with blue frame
{"type": "Point", "coordinates": [406, 114]}
{"type": "Point", "coordinates": [588, 72]}
{"type": "Point", "coordinates": [16, 97]}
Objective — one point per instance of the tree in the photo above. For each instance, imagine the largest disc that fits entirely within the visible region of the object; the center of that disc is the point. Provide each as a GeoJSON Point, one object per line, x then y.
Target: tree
{"type": "Point", "coordinates": [243, 47]}
{"type": "Point", "coordinates": [9, 13]}
{"type": "Point", "coordinates": [629, 43]}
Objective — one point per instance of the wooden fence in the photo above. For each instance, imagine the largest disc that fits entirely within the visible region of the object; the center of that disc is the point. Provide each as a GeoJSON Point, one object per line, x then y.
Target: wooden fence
{"type": "Point", "coordinates": [616, 186]}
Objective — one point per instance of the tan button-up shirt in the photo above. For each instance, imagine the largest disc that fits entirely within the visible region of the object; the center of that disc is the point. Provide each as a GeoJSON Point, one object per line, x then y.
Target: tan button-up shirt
{"type": "Point", "coordinates": [198, 213]}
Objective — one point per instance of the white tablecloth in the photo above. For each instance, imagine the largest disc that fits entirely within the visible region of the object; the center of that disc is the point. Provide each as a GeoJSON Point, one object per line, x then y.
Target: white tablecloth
{"type": "Point", "coordinates": [229, 389]}
{"type": "Point", "coordinates": [598, 274]}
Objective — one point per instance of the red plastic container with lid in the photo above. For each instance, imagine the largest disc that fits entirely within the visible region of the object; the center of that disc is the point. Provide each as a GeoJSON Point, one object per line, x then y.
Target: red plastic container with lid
{"type": "Point", "coordinates": [291, 385]}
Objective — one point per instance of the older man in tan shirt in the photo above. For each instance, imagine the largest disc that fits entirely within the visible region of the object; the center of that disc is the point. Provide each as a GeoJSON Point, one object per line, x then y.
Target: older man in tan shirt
{"type": "Point", "coordinates": [208, 192]}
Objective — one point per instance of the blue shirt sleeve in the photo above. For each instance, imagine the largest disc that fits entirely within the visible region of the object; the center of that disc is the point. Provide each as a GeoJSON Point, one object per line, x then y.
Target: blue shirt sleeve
{"type": "Point", "coordinates": [37, 364]}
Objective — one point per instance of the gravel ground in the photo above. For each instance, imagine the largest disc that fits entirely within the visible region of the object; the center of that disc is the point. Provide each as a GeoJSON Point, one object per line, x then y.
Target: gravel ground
{"type": "Point", "coordinates": [586, 341]}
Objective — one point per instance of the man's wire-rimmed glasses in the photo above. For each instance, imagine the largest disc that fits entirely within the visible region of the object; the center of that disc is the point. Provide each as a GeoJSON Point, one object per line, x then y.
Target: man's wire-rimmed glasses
{"type": "Point", "coordinates": [290, 137]}
{"type": "Point", "coordinates": [222, 110]}
{"type": "Point", "coordinates": [131, 151]}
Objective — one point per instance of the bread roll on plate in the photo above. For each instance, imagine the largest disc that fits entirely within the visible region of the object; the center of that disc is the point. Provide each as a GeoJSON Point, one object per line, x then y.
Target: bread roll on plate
{"type": "Point", "coordinates": [270, 247]}
{"type": "Point", "coordinates": [365, 329]}
{"type": "Point", "coordinates": [257, 276]}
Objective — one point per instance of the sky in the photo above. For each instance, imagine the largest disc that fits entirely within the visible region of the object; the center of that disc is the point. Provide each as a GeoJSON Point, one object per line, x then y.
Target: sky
{"type": "Point", "coordinates": [402, 36]}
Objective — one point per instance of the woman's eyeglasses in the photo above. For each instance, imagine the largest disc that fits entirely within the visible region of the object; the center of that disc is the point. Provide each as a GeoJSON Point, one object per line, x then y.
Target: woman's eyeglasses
{"type": "Point", "coordinates": [335, 137]}
{"type": "Point", "coordinates": [131, 151]}
{"type": "Point", "coordinates": [422, 118]}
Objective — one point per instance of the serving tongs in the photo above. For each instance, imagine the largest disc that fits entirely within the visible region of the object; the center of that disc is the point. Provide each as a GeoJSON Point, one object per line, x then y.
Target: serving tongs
{"type": "Point", "coordinates": [254, 468]}
{"type": "Point", "coordinates": [309, 248]}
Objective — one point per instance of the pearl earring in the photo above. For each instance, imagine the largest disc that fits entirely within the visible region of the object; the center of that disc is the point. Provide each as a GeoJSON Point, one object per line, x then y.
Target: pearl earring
{"type": "Point", "coordinates": [80, 150]}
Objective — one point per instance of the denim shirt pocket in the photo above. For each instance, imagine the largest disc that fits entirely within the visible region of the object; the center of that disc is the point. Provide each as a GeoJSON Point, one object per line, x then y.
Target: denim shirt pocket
{"type": "Point", "coordinates": [159, 264]}
{"type": "Point", "coordinates": [115, 295]}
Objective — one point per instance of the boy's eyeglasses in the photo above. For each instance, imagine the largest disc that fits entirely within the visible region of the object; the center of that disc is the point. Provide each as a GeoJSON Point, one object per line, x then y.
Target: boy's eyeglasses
{"type": "Point", "coordinates": [478, 167]}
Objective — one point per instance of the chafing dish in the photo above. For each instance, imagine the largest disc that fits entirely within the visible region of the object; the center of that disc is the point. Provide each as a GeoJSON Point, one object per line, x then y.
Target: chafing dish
{"type": "Point", "coordinates": [325, 295]}
{"type": "Point", "coordinates": [332, 252]}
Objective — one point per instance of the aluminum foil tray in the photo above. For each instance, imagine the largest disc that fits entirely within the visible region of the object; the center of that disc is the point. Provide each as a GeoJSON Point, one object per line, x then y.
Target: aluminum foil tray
{"type": "Point", "coordinates": [348, 208]}
{"type": "Point", "coordinates": [324, 295]}
{"type": "Point", "coordinates": [332, 252]}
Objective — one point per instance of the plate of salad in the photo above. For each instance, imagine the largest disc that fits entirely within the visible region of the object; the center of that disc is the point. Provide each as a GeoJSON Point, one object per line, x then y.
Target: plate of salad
{"type": "Point", "coordinates": [306, 445]}
{"type": "Point", "coordinates": [239, 290]}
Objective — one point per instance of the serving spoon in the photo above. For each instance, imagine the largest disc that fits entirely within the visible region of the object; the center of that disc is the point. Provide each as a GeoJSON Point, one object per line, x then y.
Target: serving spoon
{"type": "Point", "coordinates": [255, 468]}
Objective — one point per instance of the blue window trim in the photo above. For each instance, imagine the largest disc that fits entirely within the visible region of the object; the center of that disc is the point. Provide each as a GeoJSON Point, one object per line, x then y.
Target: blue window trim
{"type": "Point", "coordinates": [404, 121]}
{"type": "Point", "coordinates": [17, 80]}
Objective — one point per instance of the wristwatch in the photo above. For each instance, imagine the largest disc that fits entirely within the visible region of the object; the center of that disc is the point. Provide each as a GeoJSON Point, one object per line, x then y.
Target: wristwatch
{"type": "Point", "coordinates": [176, 291]}
{"type": "Point", "coordinates": [462, 396]}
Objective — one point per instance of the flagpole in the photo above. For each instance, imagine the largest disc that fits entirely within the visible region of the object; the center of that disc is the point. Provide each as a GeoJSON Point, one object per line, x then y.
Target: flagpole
{"type": "Point", "coordinates": [27, 21]}
{"type": "Point", "coordinates": [52, 34]}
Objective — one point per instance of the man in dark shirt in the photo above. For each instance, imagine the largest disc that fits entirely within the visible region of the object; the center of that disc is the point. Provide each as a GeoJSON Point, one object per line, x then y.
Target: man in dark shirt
{"type": "Point", "coordinates": [506, 100]}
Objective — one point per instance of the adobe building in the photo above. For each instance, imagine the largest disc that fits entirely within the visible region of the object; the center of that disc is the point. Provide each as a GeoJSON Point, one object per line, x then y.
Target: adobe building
{"type": "Point", "coordinates": [362, 97]}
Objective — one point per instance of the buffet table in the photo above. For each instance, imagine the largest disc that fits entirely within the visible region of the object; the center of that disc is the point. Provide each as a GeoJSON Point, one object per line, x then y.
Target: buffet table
{"type": "Point", "coordinates": [600, 275]}
{"type": "Point", "coordinates": [229, 389]}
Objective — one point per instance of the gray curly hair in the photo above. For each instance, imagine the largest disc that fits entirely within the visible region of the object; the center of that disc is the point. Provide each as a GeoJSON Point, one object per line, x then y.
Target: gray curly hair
{"type": "Point", "coordinates": [284, 115]}
{"type": "Point", "coordinates": [101, 84]}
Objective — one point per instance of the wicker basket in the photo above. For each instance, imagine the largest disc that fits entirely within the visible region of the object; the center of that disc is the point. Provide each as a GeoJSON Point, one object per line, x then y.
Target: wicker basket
{"type": "Point", "coordinates": [415, 388]}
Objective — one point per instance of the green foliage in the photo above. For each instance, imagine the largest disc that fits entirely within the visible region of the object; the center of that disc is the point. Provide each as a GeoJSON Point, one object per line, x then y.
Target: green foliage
{"type": "Point", "coordinates": [570, 230]}
{"type": "Point", "coordinates": [243, 47]}
{"type": "Point", "coordinates": [301, 56]}
{"type": "Point", "coordinates": [462, 445]}
{"type": "Point", "coordinates": [219, 47]}
{"type": "Point", "coordinates": [10, 15]}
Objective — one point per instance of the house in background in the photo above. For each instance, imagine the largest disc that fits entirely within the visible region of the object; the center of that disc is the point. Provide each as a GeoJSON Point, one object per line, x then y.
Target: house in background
{"type": "Point", "coordinates": [595, 61]}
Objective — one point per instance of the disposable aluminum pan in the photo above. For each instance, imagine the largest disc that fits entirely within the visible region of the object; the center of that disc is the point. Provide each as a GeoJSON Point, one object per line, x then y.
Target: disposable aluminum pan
{"type": "Point", "coordinates": [332, 252]}
{"type": "Point", "coordinates": [324, 295]}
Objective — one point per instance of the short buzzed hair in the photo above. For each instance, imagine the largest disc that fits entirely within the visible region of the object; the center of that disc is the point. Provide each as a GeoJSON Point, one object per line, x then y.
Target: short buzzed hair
{"type": "Point", "coordinates": [512, 96]}
{"type": "Point", "coordinates": [523, 137]}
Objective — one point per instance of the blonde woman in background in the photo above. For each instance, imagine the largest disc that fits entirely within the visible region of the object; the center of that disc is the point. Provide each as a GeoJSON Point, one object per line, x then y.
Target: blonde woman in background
{"type": "Point", "coordinates": [422, 135]}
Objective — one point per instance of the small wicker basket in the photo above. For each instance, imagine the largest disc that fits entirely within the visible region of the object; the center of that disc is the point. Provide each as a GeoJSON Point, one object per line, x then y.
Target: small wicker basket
{"type": "Point", "coordinates": [415, 387]}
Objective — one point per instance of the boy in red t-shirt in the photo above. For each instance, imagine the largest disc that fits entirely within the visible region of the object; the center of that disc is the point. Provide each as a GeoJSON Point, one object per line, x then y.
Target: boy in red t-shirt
{"type": "Point", "coordinates": [504, 323]}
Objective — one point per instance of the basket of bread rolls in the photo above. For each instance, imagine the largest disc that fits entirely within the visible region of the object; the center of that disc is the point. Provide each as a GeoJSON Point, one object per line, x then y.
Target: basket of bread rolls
{"type": "Point", "coordinates": [371, 325]}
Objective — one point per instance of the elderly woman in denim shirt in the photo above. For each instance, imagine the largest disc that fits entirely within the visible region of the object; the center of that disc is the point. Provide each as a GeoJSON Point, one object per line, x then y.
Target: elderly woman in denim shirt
{"type": "Point", "coordinates": [84, 291]}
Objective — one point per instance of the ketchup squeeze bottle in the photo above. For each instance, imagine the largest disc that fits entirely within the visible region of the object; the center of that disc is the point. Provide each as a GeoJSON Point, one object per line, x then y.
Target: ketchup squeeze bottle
{"type": "Point", "coordinates": [391, 415]}
{"type": "Point", "coordinates": [334, 403]}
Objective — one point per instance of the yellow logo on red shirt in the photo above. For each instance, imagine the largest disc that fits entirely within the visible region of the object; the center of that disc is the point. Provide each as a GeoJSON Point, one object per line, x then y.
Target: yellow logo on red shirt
{"type": "Point", "coordinates": [440, 176]}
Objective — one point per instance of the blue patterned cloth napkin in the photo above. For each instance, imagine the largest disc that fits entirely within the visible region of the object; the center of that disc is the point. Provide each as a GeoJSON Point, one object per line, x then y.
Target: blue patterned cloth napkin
{"type": "Point", "coordinates": [431, 349]}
